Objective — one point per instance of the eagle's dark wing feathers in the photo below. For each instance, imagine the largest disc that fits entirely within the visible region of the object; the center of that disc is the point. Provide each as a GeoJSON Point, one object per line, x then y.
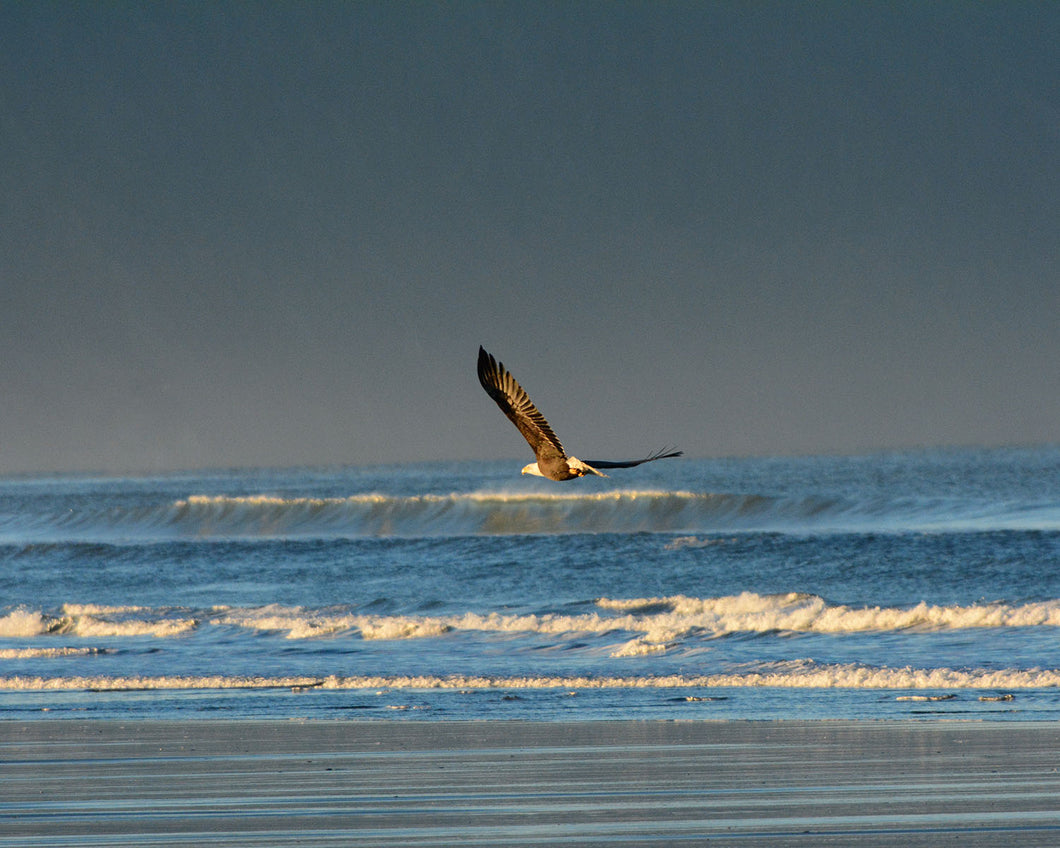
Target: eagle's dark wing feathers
{"type": "Point", "coordinates": [516, 404]}
{"type": "Point", "coordinates": [659, 454]}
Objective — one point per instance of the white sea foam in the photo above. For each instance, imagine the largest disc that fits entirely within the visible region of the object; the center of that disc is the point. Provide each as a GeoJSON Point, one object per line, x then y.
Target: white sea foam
{"type": "Point", "coordinates": [23, 623]}
{"type": "Point", "coordinates": [92, 626]}
{"type": "Point", "coordinates": [643, 625]}
{"type": "Point", "coordinates": [641, 648]}
{"type": "Point", "coordinates": [47, 653]}
{"type": "Point", "coordinates": [612, 496]}
{"type": "Point", "coordinates": [92, 620]}
{"type": "Point", "coordinates": [295, 622]}
{"type": "Point", "coordinates": [798, 675]}
{"type": "Point", "coordinates": [796, 612]}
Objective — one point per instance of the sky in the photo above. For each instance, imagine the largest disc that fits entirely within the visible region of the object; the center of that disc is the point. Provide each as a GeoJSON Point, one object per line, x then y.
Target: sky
{"type": "Point", "coordinates": [256, 234]}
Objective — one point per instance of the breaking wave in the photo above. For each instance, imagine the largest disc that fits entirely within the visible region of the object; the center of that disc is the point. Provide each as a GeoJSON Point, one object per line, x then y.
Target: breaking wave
{"type": "Point", "coordinates": [804, 674]}
{"type": "Point", "coordinates": [204, 517]}
{"type": "Point", "coordinates": [653, 623]}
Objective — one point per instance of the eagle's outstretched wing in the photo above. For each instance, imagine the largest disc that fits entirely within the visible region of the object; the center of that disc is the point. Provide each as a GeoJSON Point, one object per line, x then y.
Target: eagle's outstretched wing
{"type": "Point", "coordinates": [516, 404]}
{"type": "Point", "coordinates": [659, 454]}
{"type": "Point", "coordinates": [552, 460]}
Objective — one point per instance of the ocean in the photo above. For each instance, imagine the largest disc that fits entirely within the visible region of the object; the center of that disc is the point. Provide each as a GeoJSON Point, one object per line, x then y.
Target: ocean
{"type": "Point", "coordinates": [922, 584]}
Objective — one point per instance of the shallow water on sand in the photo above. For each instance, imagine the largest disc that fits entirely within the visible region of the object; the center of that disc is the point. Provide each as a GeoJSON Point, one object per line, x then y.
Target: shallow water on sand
{"type": "Point", "coordinates": [318, 783]}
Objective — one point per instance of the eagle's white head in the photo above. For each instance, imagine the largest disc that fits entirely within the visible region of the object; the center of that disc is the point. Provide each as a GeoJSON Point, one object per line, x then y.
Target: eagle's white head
{"type": "Point", "coordinates": [532, 469]}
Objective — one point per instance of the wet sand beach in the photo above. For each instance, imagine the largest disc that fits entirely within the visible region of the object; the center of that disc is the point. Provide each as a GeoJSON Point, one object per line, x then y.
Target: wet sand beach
{"type": "Point", "coordinates": [280, 783]}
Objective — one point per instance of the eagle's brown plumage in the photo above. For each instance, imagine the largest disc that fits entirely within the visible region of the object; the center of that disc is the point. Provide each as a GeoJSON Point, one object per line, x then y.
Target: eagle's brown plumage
{"type": "Point", "coordinates": [552, 460]}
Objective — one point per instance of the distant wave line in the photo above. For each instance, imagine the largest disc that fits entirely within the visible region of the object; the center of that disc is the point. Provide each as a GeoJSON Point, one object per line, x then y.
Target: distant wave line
{"type": "Point", "coordinates": [264, 516]}
{"type": "Point", "coordinates": [481, 497]}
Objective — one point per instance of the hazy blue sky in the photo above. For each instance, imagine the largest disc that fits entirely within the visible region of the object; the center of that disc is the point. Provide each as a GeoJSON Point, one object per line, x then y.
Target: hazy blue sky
{"type": "Point", "coordinates": [242, 234]}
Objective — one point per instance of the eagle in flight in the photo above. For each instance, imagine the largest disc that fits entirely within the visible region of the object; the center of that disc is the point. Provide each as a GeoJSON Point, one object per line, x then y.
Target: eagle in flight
{"type": "Point", "coordinates": [552, 460]}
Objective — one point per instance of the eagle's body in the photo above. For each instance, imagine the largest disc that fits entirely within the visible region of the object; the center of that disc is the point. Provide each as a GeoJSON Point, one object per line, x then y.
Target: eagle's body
{"type": "Point", "coordinates": [552, 460]}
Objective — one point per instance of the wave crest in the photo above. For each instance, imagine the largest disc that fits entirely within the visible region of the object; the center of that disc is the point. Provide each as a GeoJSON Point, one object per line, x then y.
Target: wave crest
{"type": "Point", "coordinates": [482, 513]}
{"type": "Point", "coordinates": [653, 623]}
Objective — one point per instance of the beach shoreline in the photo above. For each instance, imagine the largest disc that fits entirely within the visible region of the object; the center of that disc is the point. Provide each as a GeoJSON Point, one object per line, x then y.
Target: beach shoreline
{"type": "Point", "coordinates": [295, 782]}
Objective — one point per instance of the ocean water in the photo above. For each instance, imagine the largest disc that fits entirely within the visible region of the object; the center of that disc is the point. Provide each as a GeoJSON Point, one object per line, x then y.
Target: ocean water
{"type": "Point", "coordinates": [922, 584]}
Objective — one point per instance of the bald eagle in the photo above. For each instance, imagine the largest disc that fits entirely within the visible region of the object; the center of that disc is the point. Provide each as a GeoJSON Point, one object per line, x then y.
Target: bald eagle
{"type": "Point", "coordinates": [552, 459]}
